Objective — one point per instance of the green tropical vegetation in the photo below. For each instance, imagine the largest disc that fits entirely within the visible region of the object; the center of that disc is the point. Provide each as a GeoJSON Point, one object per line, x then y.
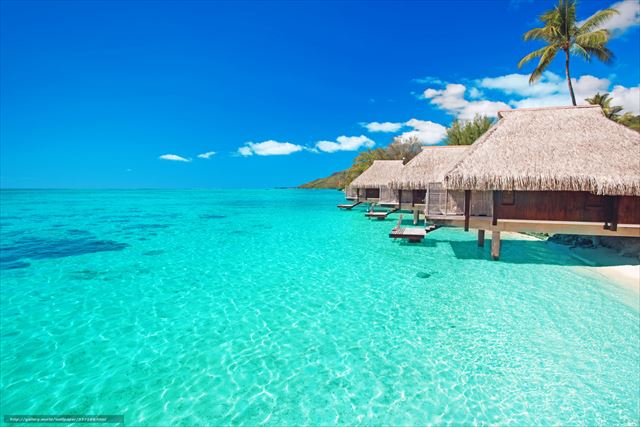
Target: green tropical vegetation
{"type": "Point", "coordinates": [466, 132]}
{"type": "Point", "coordinates": [604, 101]}
{"type": "Point", "coordinates": [628, 119]}
{"type": "Point", "coordinates": [562, 32]}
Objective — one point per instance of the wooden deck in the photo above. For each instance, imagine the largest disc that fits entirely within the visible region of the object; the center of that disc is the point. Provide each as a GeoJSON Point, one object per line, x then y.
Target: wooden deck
{"type": "Point", "coordinates": [380, 214]}
{"type": "Point", "coordinates": [411, 234]}
{"type": "Point", "coordinates": [537, 226]}
{"type": "Point", "coordinates": [349, 206]}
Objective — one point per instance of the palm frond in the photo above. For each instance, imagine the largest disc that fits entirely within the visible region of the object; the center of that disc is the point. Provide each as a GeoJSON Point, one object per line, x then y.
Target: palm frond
{"type": "Point", "coordinates": [578, 50]}
{"type": "Point", "coordinates": [543, 34]}
{"type": "Point", "coordinates": [596, 20]}
{"type": "Point", "coordinates": [602, 53]}
{"type": "Point", "coordinates": [535, 54]}
{"type": "Point", "coordinates": [593, 39]}
{"type": "Point", "coordinates": [546, 59]}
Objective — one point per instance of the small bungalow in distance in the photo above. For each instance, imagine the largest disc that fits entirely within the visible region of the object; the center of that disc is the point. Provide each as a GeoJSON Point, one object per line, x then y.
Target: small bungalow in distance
{"type": "Point", "coordinates": [372, 185]}
{"type": "Point", "coordinates": [564, 170]}
{"type": "Point", "coordinates": [420, 183]}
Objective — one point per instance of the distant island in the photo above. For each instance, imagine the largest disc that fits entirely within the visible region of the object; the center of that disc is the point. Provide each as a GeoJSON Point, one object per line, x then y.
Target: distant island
{"type": "Point", "coordinates": [333, 181]}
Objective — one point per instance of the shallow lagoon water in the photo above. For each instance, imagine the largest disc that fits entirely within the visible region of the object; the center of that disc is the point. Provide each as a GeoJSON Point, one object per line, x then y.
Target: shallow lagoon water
{"type": "Point", "coordinates": [273, 307]}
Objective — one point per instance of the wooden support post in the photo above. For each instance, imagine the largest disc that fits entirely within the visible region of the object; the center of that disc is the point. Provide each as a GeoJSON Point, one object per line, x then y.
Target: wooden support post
{"type": "Point", "coordinates": [426, 203]}
{"type": "Point", "coordinates": [481, 238]}
{"type": "Point", "coordinates": [400, 198]}
{"type": "Point", "coordinates": [496, 204]}
{"type": "Point", "coordinates": [614, 214]}
{"type": "Point", "coordinates": [357, 194]}
{"type": "Point", "coordinates": [416, 216]}
{"type": "Point", "coordinates": [495, 245]}
{"type": "Point", "coordinates": [446, 201]}
{"type": "Point", "coordinates": [467, 208]}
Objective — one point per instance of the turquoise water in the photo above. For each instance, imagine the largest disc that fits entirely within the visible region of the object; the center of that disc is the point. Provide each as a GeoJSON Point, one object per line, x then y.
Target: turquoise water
{"type": "Point", "coordinates": [273, 307]}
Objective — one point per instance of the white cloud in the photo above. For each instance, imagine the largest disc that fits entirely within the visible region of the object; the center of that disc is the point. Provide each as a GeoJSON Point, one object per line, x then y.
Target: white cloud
{"type": "Point", "coordinates": [207, 155]}
{"type": "Point", "coordinates": [245, 151]}
{"type": "Point", "coordinates": [174, 158]}
{"type": "Point", "coordinates": [475, 93]}
{"type": "Point", "coordinates": [269, 148]}
{"type": "Point", "coordinates": [584, 87]}
{"type": "Point", "coordinates": [518, 84]}
{"type": "Point", "coordinates": [382, 127]}
{"type": "Point", "coordinates": [425, 131]}
{"type": "Point", "coordinates": [628, 16]}
{"type": "Point", "coordinates": [514, 90]}
{"type": "Point", "coordinates": [452, 99]}
{"type": "Point", "coordinates": [345, 143]}
{"type": "Point", "coordinates": [543, 101]}
{"type": "Point", "coordinates": [629, 98]}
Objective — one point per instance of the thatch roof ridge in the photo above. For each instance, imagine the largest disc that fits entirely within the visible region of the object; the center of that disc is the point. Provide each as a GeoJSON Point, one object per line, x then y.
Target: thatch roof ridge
{"type": "Point", "coordinates": [379, 174]}
{"type": "Point", "coordinates": [429, 166]}
{"type": "Point", "coordinates": [552, 149]}
{"type": "Point", "coordinates": [502, 113]}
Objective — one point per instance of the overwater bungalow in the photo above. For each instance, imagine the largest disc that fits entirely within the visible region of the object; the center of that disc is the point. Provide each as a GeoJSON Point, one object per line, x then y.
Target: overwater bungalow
{"type": "Point", "coordinates": [564, 170]}
{"type": "Point", "coordinates": [420, 183]}
{"type": "Point", "coordinates": [372, 186]}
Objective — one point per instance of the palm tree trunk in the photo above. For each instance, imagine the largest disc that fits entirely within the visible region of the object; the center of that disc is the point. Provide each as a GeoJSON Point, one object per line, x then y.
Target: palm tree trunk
{"type": "Point", "coordinates": [573, 97]}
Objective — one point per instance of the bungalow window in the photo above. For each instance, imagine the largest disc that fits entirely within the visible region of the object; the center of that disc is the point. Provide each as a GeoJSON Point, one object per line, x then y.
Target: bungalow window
{"type": "Point", "coordinates": [508, 198]}
{"type": "Point", "coordinates": [372, 193]}
{"type": "Point", "coordinates": [419, 196]}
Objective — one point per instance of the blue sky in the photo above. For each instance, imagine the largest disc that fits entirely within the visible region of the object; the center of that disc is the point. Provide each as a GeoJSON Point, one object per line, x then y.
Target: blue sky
{"type": "Point", "coordinates": [92, 94]}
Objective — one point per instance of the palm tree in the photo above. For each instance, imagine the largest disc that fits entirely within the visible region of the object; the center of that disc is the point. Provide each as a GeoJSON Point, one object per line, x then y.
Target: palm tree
{"type": "Point", "coordinates": [561, 31]}
{"type": "Point", "coordinates": [604, 101]}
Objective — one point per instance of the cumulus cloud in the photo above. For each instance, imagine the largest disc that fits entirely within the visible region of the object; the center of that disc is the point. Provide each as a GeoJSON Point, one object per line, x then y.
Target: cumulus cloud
{"type": "Point", "coordinates": [425, 131]}
{"type": "Point", "coordinates": [269, 148]}
{"type": "Point", "coordinates": [452, 100]}
{"type": "Point", "coordinates": [513, 90]}
{"type": "Point", "coordinates": [382, 127]}
{"type": "Point", "coordinates": [174, 158]}
{"type": "Point", "coordinates": [584, 87]}
{"type": "Point", "coordinates": [207, 155]}
{"type": "Point", "coordinates": [519, 84]}
{"type": "Point", "coordinates": [628, 98]}
{"type": "Point", "coordinates": [628, 16]}
{"type": "Point", "coordinates": [345, 143]}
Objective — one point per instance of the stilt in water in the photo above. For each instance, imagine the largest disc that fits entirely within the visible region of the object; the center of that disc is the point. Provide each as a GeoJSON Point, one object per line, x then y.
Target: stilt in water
{"type": "Point", "coordinates": [495, 245]}
{"type": "Point", "coordinates": [481, 238]}
{"type": "Point", "coordinates": [416, 216]}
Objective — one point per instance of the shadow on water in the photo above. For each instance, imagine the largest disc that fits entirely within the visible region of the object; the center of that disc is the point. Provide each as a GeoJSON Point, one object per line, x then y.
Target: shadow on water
{"type": "Point", "coordinates": [145, 226]}
{"type": "Point", "coordinates": [517, 252]}
{"type": "Point", "coordinates": [153, 252]}
{"type": "Point", "coordinates": [212, 216]}
{"type": "Point", "coordinates": [12, 256]}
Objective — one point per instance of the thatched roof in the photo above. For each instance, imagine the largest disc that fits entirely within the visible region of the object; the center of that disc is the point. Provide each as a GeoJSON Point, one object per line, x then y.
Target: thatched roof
{"type": "Point", "coordinates": [379, 174]}
{"type": "Point", "coordinates": [428, 166]}
{"type": "Point", "coordinates": [552, 149]}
